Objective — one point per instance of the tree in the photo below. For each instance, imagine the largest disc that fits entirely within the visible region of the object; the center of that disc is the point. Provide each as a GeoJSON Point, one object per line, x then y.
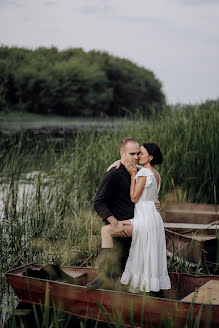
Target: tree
{"type": "Point", "coordinates": [73, 82]}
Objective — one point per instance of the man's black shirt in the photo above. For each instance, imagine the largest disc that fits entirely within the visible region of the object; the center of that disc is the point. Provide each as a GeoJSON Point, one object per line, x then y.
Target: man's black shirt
{"type": "Point", "coordinates": [113, 195]}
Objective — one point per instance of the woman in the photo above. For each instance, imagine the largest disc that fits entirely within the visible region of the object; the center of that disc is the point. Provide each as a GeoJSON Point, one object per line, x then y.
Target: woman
{"type": "Point", "coordinates": [146, 266]}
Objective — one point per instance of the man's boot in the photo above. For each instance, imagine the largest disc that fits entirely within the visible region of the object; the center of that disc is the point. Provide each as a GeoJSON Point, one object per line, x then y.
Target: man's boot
{"type": "Point", "coordinates": [104, 258]}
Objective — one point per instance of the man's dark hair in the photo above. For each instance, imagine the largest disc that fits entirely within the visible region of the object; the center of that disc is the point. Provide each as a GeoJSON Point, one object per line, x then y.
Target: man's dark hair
{"type": "Point", "coordinates": [125, 141]}
{"type": "Point", "coordinates": [153, 150]}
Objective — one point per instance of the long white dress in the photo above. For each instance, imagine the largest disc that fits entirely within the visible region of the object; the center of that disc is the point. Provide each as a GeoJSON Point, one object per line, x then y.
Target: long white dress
{"type": "Point", "coordinates": [146, 266]}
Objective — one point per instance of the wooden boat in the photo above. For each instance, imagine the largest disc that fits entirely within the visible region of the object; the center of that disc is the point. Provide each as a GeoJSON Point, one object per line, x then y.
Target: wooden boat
{"type": "Point", "coordinates": [192, 231]}
{"type": "Point", "coordinates": [118, 306]}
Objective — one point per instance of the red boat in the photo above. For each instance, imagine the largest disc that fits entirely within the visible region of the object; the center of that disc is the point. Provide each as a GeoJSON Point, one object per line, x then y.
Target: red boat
{"type": "Point", "coordinates": [180, 304]}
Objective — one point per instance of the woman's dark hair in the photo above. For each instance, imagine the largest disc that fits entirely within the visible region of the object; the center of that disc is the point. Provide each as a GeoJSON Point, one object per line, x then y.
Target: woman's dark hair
{"type": "Point", "coordinates": [153, 150]}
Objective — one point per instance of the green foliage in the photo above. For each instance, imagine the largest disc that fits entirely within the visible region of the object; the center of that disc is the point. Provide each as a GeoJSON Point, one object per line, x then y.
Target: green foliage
{"type": "Point", "coordinates": [47, 195]}
{"type": "Point", "coordinates": [51, 218]}
{"type": "Point", "coordinates": [62, 185]}
{"type": "Point", "coordinates": [73, 82]}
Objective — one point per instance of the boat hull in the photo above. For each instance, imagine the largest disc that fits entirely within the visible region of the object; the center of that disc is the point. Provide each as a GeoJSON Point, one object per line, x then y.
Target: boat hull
{"type": "Point", "coordinates": [116, 306]}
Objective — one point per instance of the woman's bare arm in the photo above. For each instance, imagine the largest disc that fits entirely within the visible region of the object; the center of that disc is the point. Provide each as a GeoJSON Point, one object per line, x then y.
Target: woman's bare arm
{"type": "Point", "coordinates": [116, 164]}
{"type": "Point", "coordinates": [136, 188]}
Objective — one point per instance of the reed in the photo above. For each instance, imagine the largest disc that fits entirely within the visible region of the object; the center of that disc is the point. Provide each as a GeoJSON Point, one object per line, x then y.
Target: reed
{"type": "Point", "coordinates": [46, 196]}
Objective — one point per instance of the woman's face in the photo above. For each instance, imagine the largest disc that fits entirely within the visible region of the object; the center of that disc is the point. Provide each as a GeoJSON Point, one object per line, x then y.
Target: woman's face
{"type": "Point", "coordinates": [144, 157]}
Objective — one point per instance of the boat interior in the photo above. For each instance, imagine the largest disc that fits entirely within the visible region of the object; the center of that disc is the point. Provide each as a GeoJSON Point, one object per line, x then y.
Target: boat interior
{"type": "Point", "coordinates": [193, 228]}
{"type": "Point", "coordinates": [184, 287]}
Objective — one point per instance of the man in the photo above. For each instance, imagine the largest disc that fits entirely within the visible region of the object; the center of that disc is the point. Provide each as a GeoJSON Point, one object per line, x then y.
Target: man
{"type": "Point", "coordinates": [113, 204]}
{"type": "Point", "coordinates": [112, 201]}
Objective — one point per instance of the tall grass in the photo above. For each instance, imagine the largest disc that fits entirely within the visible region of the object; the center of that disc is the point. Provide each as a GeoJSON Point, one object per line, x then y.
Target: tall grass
{"type": "Point", "coordinates": [57, 209]}
{"type": "Point", "coordinates": [51, 218]}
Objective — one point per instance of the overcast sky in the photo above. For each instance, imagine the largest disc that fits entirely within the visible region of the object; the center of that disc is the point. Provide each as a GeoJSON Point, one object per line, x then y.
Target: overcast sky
{"type": "Point", "coordinates": [177, 39]}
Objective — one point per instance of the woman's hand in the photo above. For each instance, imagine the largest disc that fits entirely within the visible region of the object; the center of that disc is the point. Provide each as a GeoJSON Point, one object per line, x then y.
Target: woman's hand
{"type": "Point", "coordinates": [157, 205]}
{"type": "Point", "coordinates": [116, 164]}
{"type": "Point", "coordinates": [131, 169]}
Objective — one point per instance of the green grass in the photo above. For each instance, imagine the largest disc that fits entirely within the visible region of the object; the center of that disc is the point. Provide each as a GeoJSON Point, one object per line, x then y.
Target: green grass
{"type": "Point", "coordinates": [58, 207]}
{"type": "Point", "coordinates": [54, 220]}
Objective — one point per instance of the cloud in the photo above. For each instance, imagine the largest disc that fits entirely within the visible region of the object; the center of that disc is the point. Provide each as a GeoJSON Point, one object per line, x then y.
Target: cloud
{"type": "Point", "coordinates": [49, 3]}
{"type": "Point", "coordinates": [10, 3]}
{"type": "Point", "coordinates": [95, 9]}
{"type": "Point", "coordinates": [197, 2]}
{"type": "Point", "coordinates": [133, 20]}
{"type": "Point", "coordinates": [89, 9]}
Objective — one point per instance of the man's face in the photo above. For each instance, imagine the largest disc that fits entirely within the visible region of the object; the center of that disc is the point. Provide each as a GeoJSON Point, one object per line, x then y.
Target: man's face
{"type": "Point", "coordinates": [130, 153]}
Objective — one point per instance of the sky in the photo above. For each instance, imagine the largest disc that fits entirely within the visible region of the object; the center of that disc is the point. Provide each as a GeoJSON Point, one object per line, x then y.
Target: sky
{"type": "Point", "coordinates": [176, 39]}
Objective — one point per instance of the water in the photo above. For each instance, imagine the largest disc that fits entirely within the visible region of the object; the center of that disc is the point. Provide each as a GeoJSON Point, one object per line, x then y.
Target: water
{"type": "Point", "coordinates": [25, 191]}
{"type": "Point", "coordinates": [9, 301]}
{"type": "Point", "coordinates": [60, 123]}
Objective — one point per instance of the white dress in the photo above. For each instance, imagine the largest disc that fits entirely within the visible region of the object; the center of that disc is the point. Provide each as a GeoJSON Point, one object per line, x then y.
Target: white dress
{"type": "Point", "coordinates": [146, 266]}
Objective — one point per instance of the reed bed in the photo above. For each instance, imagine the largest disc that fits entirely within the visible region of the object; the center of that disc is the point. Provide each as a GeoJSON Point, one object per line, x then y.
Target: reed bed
{"type": "Point", "coordinates": [46, 196]}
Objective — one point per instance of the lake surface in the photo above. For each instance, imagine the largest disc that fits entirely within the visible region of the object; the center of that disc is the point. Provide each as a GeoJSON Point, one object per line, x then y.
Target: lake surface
{"type": "Point", "coordinates": [60, 123]}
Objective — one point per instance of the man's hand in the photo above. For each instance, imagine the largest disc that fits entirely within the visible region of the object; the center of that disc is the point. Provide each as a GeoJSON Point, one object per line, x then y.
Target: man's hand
{"type": "Point", "coordinates": [157, 205]}
{"type": "Point", "coordinates": [128, 228]}
{"type": "Point", "coordinates": [119, 229]}
{"type": "Point", "coordinates": [123, 229]}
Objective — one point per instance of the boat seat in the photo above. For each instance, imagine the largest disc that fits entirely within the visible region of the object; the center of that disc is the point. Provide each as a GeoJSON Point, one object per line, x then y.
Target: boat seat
{"type": "Point", "coordinates": [55, 273]}
{"type": "Point", "coordinates": [175, 225]}
{"type": "Point", "coordinates": [191, 211]}
{"type": "Point", "coordinates": [206, 294]}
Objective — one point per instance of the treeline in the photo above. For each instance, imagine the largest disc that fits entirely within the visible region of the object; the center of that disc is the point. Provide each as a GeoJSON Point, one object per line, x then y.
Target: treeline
{"type": "Point", "coordinates": [74, 82]}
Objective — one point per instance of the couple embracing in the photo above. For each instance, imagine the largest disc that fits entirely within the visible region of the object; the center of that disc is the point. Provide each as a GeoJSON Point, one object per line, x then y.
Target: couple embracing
{"type": "Point", "coordinates": [133, 238]}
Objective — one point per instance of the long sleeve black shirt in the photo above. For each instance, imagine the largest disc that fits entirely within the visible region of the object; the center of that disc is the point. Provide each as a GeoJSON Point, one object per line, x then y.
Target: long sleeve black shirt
{"type": "Point", "coordinates": [113, 195]}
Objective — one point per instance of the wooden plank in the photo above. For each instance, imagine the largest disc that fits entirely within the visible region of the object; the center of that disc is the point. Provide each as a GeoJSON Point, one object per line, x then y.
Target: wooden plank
{"type": "Point", "coordinates": [189, 218]}
{"type": "Point", "coordinates": [206, 294]}
{"type": "Point", "coordinates": [176, 225]}
{"type": "Point", "coordinates": [191, 211]}
{"type": "Point", "coordinates": [192, 207]}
